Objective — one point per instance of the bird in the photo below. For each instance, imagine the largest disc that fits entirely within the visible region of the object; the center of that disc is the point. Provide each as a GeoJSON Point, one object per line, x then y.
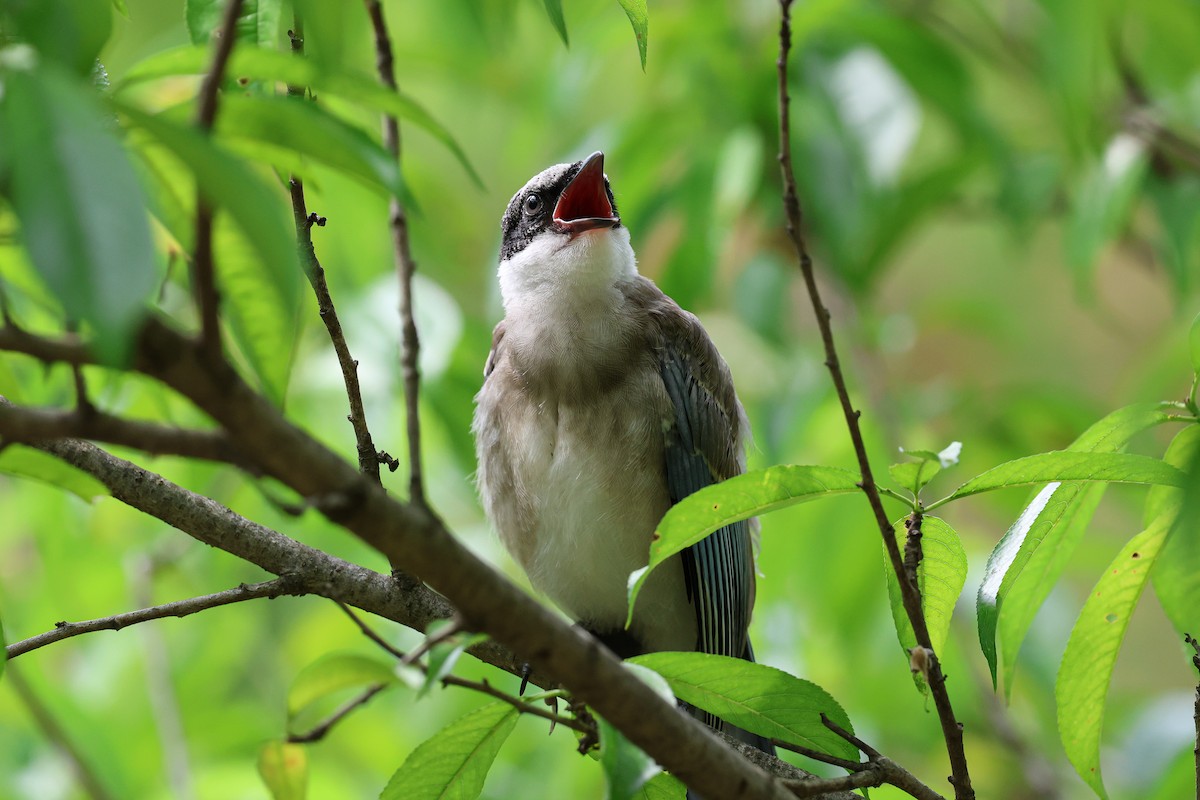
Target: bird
{"type": "Point", "coordinates": [603, 404]}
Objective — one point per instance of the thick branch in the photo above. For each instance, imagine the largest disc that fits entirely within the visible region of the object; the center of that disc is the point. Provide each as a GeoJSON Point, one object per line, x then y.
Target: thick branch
{"type": "Point", "coordinates": [368, 457]}
{"type": "Point", "coordinates": [405, 265]}
{"type": "Point", "coordinates": [27, 425]}
{"type": "Point", "coordinates": [951, 728]}
{"type": "Point", "coordinates": [179, 608]}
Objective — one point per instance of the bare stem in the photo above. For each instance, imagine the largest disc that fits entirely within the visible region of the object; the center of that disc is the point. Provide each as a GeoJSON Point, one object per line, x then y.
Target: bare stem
{"type": "Point", "coordinates": [951, 728]}
{"type": "Point", "coordinates": [179, 608]}
{"type": "Point", "coordinates": [405, 265]}
{"type": "Point", "coordinates": [204, 283]}
{"type": "Point", "coordinates": [323, 728]}
{"type": "Point", "coordinates": [1196, 708]}
{"type": "Point", "coordinates": [368, 457]}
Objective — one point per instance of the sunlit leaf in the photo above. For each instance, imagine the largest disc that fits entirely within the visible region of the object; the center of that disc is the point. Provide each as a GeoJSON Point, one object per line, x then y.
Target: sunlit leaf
{"type": "Point", "coordinates": [26, 462]}
{"type": "Point", "coordinates": [82, 213]}
{"type": "Point", "coordinates": [1176, 574]}
{"type": "Point", "coordinates": [755, 697]}
{"type": "Point", "coordinates": [627, 769]}
{"type": "Point", "coordinates": [639, 18]}
{"type": "Point", "coordinates": [284, 769]}
{"type": "Point", "coordinates": [940, 575]}
{"type": "Point", "coordinates": [913, 475]}
{"type": "Point", "coordinates": [1087, 665]}
{"type": "Point", "coordinates": [266, 65]}
{"type": "Point", "coordinates": [1026, 562]}
{"type": "Point", "coordinates": [555, 13]}
{"type": "Point", "coordinates": [454, 763]}
{"type": "Point", "coordinates": [1066, 465]}
{"type": "Point", "coordinates": [738, 498]}
{"type": "Point", "coordinates": [336, 672]}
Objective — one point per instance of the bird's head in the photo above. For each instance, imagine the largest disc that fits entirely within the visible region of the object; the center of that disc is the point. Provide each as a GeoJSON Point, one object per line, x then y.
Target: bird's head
{"type": "Point", "coordinates": [562, 232]}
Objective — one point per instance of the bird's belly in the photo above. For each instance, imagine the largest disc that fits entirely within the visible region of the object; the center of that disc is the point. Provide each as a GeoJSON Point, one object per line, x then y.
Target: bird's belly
{"type": "Point", "coordinates": [592, 479]}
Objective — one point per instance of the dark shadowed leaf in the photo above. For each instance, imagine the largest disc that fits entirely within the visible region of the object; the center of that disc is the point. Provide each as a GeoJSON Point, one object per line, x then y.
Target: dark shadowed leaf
{"type": "Point", "coordinates": [755, 697]}
{"type": "Point", "coordinates": [455, 761]}
{"type": "Point", "coordinates": [627, 769]}
{"type": "Point", "coordinates": [82, 213]}
{"type": "Point", "coordinates": [741, 497]}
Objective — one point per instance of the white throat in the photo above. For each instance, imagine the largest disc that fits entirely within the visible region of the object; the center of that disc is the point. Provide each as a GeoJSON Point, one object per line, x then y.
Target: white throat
{"type": "Point", "coordinates": [556, 270]}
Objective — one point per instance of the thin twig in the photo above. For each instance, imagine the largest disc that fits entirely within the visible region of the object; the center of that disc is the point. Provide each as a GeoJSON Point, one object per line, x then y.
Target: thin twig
{"type": "Point", "coordinates": [89, 779]}
{"type": "Point", "coordinates": [951, 728]}
{"type": "Point", "coordinates": [1196, 708]}
{"type": "Point", "coordinates": [323, 728]}
{"type": "Point", "coordinates": [204, 283]}
{"type": "Point", "coordinates": [453, 628]}
{"type": "Point", "coordinates": [179, 608]}
{"type": "Point", "coordinates": [370, 632]}
{"type": "Point", "coordinates": [368, 457]}
{"type": "Point", "coordinates": [405, 265]}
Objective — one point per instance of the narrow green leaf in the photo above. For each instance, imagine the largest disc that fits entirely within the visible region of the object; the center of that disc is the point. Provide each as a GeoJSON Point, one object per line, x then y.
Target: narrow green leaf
{"type": "Point", "coordinates": [1067, 465]}
{"type": "Point", "coordinates": [336, 672]}
{"type": "Point", "coordinates": [1176, 574]}
{"type": "Point", "coordinates": [663, 786]}
{"type": "Point", "coordinates": [444, 655]}
{"type": "Point", "coordinates": [627, 769]}
{"type": "Point", "coordinates": [555, 12]}
{"type": "Point", "coordinates": [1026, 562]}
{"type": "Point", "coordinates": [266, 65]}
{"type": "Point", "coordinates": [454, 763]}
{"type": "Point", "coordinates": [639, 18]}
{"type": "Point", "coordinates": [1087, 664]}
{"type": "Point", "coordinates": [940, 575]}
{"type": "Point", "coordinates": [263, 317]}
{"type": "Point", "coordinates": [284, 769]}
{"type": "Point", "coordinates": [755, 697]}
{"type": "Point", "coordinates": [26, 462]}
{"type": "Point", "coordinates": [313, 132]}
{"type": "Point", "coordinates": [738, 498]}
{"type": "Point", "coordinates": [82, 213]}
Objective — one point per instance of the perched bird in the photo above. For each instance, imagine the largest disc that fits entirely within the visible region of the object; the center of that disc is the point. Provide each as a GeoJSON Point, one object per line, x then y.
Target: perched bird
{"type": "Point", "coordinates": [603, 404]}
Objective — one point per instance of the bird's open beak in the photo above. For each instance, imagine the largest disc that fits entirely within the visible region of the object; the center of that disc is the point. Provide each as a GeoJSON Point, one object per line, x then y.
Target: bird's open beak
{"type": "Point", "coordinates": [584, 204]}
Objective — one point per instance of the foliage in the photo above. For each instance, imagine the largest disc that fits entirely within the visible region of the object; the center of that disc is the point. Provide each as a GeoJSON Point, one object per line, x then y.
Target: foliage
{"type": "Point", "coordinates": [1005, 201]}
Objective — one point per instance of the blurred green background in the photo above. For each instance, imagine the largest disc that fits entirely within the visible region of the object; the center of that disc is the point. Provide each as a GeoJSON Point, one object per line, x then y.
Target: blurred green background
{"type": "Point", "coordinates": [1003, 201]}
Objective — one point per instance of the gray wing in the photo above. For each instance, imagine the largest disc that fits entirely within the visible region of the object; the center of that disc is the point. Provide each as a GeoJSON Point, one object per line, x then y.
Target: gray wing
{"type": "Point", "coordinates": [702, 448]}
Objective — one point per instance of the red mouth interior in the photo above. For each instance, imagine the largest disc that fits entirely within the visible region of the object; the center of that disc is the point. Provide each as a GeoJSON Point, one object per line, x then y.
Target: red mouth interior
{"type": "Point", "coordinates": [585, 196]}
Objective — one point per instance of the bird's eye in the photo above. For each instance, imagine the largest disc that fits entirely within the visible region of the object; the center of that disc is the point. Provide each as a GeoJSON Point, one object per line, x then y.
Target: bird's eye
{"type": "Point", "coordinates": [533, 203]}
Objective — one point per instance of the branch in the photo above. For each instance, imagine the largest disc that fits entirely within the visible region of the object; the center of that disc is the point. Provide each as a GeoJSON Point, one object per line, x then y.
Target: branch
{"type": "Point", "coordinates": [368, 457]}
{"type": "Point", "coordinates": [179, 608]}
{"type": "Point", "coordinates": [323, 728]}
{"type": "Point", "coordinates": [1196, 708]}
{"type": "Point", "coordinates": [28, 425]}
{"type": "Point", "coordinates": [203, 278]}
{"type": "Point", "coordinates": [405, 265]}
{"type": "Point", "coordinates": [951, 728]}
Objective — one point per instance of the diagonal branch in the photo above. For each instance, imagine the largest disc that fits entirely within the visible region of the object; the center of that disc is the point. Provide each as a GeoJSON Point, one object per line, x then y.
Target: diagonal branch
{"type": "Point", "coordinates": [179, 608]}
{"type": "Point", "coordinates": [951, 728]}
{"type": "Point", "coordinates": [368, 458]}
{"type": "Point", "coordinates": [405, 265]}
{"type": "Point", "coordinates": [28, 425]}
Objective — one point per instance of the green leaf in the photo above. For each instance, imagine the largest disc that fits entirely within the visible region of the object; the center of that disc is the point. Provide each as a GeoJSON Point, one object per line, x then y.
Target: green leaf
{"type": "Point", "coordinates": [26, 462]}
{"type": "Point", "coordinates": [454, 763]}
{"type": "Point", "coordinates": [1176, 574]}
{"type": "Point", "coordinates": [940, 575]}
{"type": "Point", "coordinates": [284, 769]}
{"type": "Point", "coordinates": [1026, 562]}
{"type": "Point", "coordinates": [755, 697]}
{"type": "Point", "coordinates": [1087, 664]}
{"type": "Point", "coordinates": [336, 672]}
{"type": "Point", "coordinates": [913, 475]}
{"type": "Point", "coordinates": [1104, 200]}
{"type": "Point", "coordinates": [1067, 465]}
{"type": "Point", "coordinates": [266, 65]}
{"type": "Point", "coordinates": [627, 769]}
{"type": "Point", "coordinates": [555, 12]}
{"type": "Point", "coordinates": [738, 498]}
{"type": "Point", "coordinates": [1194, 344]}
{"type": "Point", "coordinates": [82, 213]}
{"type": "Point", "coordinates": [70, 33]}
{"type": "Point", "coordinates": [257, 23]}
{"type": "Point", "coordinates": [263, 317]}
{"type": "Point", "coordinates": [639, 18]}
{"type": "Point", "coordinates": [663, 786]}
{"type": "Point", "coordinates": [444, 655]}
{"type": "Point", "coordinates": [294, 124]}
